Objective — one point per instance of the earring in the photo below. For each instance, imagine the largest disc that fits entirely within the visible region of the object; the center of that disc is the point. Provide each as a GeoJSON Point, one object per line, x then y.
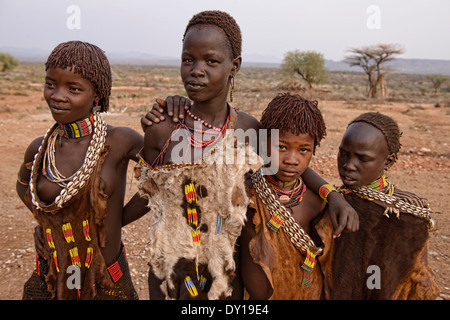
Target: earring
{"type": "Point", "coordinates": [232, 88]}
{"type": "Point", "coordinates": [96, 108]}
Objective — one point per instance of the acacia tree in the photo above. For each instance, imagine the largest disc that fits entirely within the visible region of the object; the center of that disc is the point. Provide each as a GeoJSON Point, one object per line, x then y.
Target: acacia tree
{"type": "Point", "coordinates": [437, 80]}
{"type": "Point", "coordinates": [372, 59]}
{"type": "Point", "coordinates": [309, 65]}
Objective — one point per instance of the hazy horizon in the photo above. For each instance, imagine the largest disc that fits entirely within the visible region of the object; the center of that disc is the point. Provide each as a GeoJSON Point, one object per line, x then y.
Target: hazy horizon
{"type": "Point", "coordinates": [269, 28]}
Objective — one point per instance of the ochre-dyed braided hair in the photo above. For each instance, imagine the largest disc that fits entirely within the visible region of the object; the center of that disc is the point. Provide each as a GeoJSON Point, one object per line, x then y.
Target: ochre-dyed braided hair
{"type": "Point", "coordinates": [386, 125]}
{"type": "Point", "coordinates": [87, 60]}
{"type": "Point", "coordinates": [222, 21]}
{"type": "Point", "coordinates": [291, 112]}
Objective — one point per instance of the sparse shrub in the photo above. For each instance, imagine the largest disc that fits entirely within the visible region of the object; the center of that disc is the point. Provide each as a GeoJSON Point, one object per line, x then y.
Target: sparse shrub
{"type": "Point", "coordinates": [7, 62]}
{"type": "Point", "coordinates": [309, 65]}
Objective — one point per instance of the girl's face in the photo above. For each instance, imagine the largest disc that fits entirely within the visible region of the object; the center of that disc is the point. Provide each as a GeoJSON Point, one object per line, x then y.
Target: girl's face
{"type": "Point", "coordinates": [69, 96]}
{"type": "Point", "coordinates": [363, 155]}
{"type": "Point", "coordinates": [294, 154]}
{"type": "Point", "coordinates": [206, 64]}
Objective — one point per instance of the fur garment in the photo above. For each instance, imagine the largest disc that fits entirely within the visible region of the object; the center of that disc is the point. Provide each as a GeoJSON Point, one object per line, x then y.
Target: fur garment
{"type": "Point", "coordinates": [221, 195]}
{"type": "Point", "coordinates": [398, 247]}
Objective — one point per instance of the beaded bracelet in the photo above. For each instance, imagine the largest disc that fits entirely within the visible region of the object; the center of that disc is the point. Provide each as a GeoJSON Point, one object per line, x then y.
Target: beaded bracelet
{"type": "Point", "coordinates": [22, 181]}
{"type": "Point", "coordinates": [325, 190]}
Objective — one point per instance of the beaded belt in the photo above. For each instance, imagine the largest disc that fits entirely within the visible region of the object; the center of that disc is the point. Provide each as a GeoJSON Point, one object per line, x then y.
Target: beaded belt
{"type": "Point", "coordinates": [117, 268]}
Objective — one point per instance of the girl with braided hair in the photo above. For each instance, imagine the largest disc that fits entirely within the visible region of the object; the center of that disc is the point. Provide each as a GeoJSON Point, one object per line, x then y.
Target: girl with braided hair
{"type": "Point", "coordinates": [279, 245]}
{"type": "Point", "coordinates": [73, 180]}
{"type": "Point", "coordinates": [387, 257]}
{"type": "Point", "coordinates": [198, 208]}
{"type": "Point", "coordinates": [181, 266]}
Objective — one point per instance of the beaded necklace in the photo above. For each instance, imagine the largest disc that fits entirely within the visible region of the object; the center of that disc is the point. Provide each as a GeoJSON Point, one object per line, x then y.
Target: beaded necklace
{"type": "Point", "coordinates": [378, 186]}
{"type": "Point", "coordinates": [394, 200]}
{"type": "Point", "coordinates": [71, 185]}
{"type": "Point", "coordinates": [288, 198]}
{"type": "Point", "coordinates": [73, 130]}
{"type": "Point", "coordinates": [199, 143]}
{"type": "Point", "coordinates": [193, 141]}
{"type": "Point", "coordinates": [202, 121]}
{"type": "Point", "coordinates": [78, 129]}
{"type": "Point", "coordinates": [381, 185]}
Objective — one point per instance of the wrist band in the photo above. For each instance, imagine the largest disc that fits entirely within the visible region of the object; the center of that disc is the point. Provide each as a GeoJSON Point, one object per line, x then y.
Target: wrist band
{"type": "Point", "coordinates": [22, 181]}
{"type": "Point", "coordinates": [325, 190]}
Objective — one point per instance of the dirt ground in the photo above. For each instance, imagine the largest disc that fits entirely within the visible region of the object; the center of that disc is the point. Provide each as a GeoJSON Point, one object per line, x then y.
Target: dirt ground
{"type": "Point", "coordinates": [423, 168]}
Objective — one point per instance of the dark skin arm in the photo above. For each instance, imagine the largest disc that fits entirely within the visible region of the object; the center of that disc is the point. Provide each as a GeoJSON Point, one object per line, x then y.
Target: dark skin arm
{"type": "Point", "coordinates": [24, 173]}
{"type": "Point", "coordinates": [342, 215]}
{"type": "Point", "coordinates": [253, 276]}
{"type": "Point", "coordinates": [176, 106]}
{"type": "Point", "coordinates": [134, 209]}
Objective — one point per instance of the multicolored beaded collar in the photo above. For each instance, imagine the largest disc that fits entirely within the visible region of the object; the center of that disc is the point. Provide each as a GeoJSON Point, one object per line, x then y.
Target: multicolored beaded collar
{"type": "Point", "coordinates": [394, 200]}
{"type": "Point", "coordinates": [380, 184]}
{"type": "Point", "coordinates": [288, 198]}
{"type": "Point", "coordinates": [78, 129]}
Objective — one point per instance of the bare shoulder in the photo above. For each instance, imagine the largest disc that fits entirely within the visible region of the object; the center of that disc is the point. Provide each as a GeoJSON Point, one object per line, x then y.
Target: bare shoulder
{"type": "Point", "coordinates": [123, 132]}
{"type": "Point", "coordinates": [32, 149]}
{"type": "Point", "coordinates": [313, 201]}
{"type": "Point", "coordinates": [246, 121]}
{"type": "Point", "coordinates": [124, 135]}
{"type": "Point", "coordinates": [125, 141]}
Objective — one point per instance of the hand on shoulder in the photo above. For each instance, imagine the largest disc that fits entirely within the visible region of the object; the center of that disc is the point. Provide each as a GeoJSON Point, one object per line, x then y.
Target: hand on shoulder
{"type": "Point", "coordinates": [172, 106]}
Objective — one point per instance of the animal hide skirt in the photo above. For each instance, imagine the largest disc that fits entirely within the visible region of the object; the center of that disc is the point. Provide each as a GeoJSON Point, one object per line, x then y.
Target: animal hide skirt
{"type": "Point", "coordinates": [386, 259]}
{"type": "Point", "coordinates": [36, 287]}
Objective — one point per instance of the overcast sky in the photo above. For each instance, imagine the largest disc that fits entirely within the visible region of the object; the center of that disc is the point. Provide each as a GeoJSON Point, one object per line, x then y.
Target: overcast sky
{"type": "Point", "coordinates": [269, 27]}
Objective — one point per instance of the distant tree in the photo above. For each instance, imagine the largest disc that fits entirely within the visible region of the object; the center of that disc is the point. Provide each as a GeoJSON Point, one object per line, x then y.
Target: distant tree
{"type": "Point", "coordinates": [7, 62]}
{"type": "Point", "coordinates": [309, 65]}
{"type": "Point", "coordinates": [372, 59]}
{"type": "Point", "coordinates": [437, 80]}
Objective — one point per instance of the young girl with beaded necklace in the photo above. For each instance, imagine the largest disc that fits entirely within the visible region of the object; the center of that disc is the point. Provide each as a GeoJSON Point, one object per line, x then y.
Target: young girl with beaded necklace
{"type": "Point", "coordinates": [73, 180]}
{"type": "Point", "coordinates": [211, 58]}
{"type": "Point", "coordinates": [279, 245]}
{"type": "Point", "coordinates": [386, 259]}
